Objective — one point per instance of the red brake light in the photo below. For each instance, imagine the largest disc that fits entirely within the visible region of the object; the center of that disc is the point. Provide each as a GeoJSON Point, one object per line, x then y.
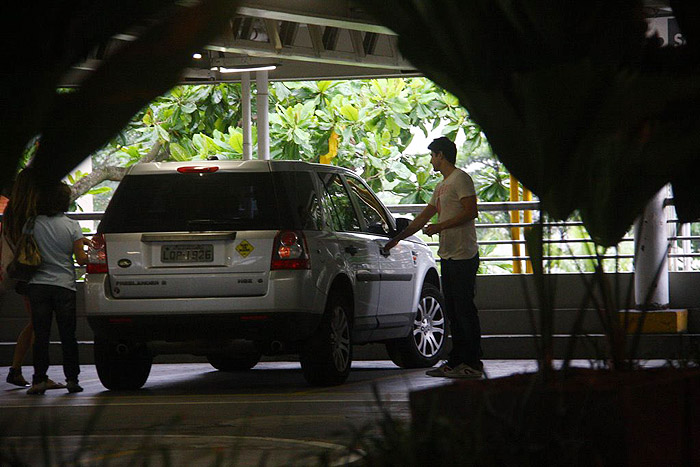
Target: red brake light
{"type": "Point", "coordinates": [290, 251]}
{"type": "Point", "coordinates": [198, 169]}
{"type": "Point", "coordinates": [97, 255]}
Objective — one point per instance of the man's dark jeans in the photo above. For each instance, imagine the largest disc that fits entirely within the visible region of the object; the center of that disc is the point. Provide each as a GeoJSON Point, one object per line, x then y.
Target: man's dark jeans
{"type": "Point", "coordinates": [458, 286]}
{"type": "Point", "coordinates": [45, 301]}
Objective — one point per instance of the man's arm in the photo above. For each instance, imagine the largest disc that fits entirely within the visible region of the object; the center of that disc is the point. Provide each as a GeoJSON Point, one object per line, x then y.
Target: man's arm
{"type": "Point", "coordinates": [415, 225]}
{"type": "Point", "coordinates": [469, 211]}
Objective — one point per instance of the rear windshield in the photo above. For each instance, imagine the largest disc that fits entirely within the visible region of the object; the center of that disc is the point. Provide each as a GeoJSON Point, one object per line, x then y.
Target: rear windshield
{"type": "Point", "coordinates": [193, 202]}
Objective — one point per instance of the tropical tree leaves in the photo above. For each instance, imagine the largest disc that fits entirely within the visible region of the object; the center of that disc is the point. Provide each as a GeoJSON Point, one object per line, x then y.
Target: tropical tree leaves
{"type": "Point", "coordinates": [369, 122]}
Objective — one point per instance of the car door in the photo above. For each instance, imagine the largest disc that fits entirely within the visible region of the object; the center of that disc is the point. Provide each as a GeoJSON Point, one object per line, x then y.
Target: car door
{"type": "Point", "coordinates": [397, 267]}
{"type": "Point", "coordinates": [355, 251]}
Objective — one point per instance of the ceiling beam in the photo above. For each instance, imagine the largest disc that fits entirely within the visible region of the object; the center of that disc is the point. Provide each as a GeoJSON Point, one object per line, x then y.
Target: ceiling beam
{"type": "Point", "coordinates": [342, 14]}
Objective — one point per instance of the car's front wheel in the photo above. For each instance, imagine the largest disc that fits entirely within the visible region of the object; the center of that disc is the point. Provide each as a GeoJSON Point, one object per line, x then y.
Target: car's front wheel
{"type": "Point", "coordinates": [326, 357]}
{"type": "Point", "coordinates": [424, 346]}
{"type": "Point", "coordinates": [120, 365]}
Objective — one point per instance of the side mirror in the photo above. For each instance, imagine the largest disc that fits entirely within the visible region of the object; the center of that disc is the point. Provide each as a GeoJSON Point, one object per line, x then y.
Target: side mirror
{"type": "Point", "coordinates": [401, 224]}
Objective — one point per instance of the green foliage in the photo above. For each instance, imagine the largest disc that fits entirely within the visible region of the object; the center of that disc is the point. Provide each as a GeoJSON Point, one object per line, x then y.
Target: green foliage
{"type": "Point", "coordinates": [373, 121]}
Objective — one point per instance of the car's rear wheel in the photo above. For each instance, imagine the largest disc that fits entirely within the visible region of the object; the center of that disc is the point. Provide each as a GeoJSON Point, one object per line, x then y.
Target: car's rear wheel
{"type": "Point", "coordinates": [121, 365]}
{"type": "Point", "coordinates": [425, 344]}
{"type": "Point", "coordinates": [234, 363]}
{"type": "Point", "coordinates": [326, 357]}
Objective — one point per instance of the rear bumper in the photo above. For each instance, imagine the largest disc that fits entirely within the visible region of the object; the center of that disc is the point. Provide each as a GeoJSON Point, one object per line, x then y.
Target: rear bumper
{"type": "Point", "coordinates": [289, 311]}
{"type": "Point", "coordinates": [275, 326]}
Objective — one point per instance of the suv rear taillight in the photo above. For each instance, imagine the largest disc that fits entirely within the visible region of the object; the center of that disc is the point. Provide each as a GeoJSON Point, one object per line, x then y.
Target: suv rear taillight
{"type": "Point", "coordinates": [290, 251]}
{"type": "Point", "coordinates": [97, 255]}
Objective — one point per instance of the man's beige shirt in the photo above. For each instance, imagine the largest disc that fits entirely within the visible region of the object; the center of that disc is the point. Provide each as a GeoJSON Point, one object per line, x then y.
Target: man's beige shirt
{"type": "Point", "coordinates": [457, 242]}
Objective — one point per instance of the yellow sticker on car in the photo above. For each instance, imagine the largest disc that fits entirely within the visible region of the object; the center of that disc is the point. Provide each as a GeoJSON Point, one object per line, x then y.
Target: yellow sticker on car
{"type": "Point", "coordinates": [244, 248]}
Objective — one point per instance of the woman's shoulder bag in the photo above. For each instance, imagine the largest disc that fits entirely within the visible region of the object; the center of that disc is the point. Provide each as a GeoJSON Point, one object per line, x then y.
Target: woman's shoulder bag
{"type": "Point", "coordinates": [27, 258]}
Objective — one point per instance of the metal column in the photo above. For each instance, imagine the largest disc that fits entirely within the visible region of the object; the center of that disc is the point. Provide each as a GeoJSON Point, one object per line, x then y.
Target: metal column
{"type": "Point", "coordinates": [263, 122]}
{"type": "Point", "coordinates": [245, 109]}
{"type": "Point", "coordinates": [651, 256]}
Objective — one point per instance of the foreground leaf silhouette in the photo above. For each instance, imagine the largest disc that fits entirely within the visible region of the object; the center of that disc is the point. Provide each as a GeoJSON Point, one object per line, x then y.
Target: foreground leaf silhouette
{"type": "Point", "coordinates": [577, 102]}
{"type": "Point", "coordinates": [59, 35]}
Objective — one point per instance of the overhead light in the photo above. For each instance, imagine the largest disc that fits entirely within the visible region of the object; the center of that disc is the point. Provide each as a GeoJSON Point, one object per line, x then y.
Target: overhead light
{"type": "Point", "coordinates": [197, 56]}
{"type": "Point", "coordinates": [222, 69]}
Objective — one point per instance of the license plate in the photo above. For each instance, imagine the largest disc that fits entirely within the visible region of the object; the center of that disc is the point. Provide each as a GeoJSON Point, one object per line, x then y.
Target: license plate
{"type": "Point", "coordinates": [187, 253]}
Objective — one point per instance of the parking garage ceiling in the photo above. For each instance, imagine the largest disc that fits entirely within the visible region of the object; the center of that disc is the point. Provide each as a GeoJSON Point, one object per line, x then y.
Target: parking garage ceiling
{"type": "Point", "coordinates": [304, 39]}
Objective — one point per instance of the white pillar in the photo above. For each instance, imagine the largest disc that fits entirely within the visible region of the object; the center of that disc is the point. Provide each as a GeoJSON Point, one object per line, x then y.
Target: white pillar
{"type": "Point", "coordinates": [245, 109]}
{"type": "Point", "coordinates": [651, 259]}
{"type": "Point", "coordinates": [263, 122]}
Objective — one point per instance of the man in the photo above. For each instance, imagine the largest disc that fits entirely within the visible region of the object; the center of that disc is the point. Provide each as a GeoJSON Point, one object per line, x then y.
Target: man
{"type": "Point", "coordinates": [454, 200]}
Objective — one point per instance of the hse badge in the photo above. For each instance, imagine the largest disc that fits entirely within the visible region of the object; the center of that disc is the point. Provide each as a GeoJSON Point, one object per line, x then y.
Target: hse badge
{"type": "Point", "coordinates": [244, 248]}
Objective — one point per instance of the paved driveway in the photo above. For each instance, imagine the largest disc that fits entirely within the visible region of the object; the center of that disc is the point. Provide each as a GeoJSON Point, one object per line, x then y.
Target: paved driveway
{"type": "Point", "coordinates": [191, 414]}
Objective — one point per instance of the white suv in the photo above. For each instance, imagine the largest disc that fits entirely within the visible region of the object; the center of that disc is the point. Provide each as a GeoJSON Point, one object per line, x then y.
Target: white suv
{"type": "Point", "coordinates": [234, 260]}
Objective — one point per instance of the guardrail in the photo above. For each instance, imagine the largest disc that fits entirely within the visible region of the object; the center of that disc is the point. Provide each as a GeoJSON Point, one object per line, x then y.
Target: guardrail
{"type": "Point", "coordinates": [566, 254]}
{"type": "Point", "coordinates": [683, 248]}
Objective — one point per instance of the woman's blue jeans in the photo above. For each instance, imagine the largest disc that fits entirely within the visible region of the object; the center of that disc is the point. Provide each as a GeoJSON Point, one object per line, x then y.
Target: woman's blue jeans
{"type": "Point", "coordinates": [47, 300]}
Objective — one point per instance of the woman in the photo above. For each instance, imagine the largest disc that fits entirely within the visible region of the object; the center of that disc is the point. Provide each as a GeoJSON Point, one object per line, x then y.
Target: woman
{"type": "Point", "coordinates": [20, 207]}
{"type": "Point", "coordinates": [52, 290]}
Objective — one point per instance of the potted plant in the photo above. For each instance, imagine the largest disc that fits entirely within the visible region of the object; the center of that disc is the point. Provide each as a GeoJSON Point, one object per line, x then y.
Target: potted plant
{"type": "Point", "coordinates": [617, 413]}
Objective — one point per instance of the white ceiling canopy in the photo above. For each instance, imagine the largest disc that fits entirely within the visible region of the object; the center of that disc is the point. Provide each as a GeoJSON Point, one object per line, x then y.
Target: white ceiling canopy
{"type": "Point", "coordinates": [303, 39]}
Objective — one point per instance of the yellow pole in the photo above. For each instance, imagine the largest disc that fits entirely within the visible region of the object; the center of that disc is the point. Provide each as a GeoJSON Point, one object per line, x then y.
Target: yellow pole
{"type": "Point", "coordinates": [515, 231]}
{"type": "Point", "coordinates": [527, 218]}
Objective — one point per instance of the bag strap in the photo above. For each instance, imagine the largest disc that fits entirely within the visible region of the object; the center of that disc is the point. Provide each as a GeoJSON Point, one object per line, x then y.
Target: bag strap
{"type": "Point", "coordinates": [29, 226]}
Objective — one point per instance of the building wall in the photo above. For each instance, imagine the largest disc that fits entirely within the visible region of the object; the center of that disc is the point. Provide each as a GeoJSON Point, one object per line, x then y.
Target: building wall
{"type": "Point", "coordinates": [506, 304]}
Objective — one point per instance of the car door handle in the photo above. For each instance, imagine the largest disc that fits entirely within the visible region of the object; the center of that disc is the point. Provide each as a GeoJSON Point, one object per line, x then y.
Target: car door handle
{"type": "Point", "coordinates": [351, 249]}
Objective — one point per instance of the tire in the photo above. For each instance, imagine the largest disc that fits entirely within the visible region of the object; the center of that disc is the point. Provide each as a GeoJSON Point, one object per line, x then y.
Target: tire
{"type": "Point", "coordinates": [425, 344]}
{"type": "Point", "coordinates": [117, 371]}
{"type": "Point", "coordinates": [327, 355]}
{"type": "Point", "coordinates": [238, 363]}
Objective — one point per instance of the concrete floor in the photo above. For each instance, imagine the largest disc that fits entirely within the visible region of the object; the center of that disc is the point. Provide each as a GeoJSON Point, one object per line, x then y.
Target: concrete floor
{"type": "Point", "coordinates": [190, 414]}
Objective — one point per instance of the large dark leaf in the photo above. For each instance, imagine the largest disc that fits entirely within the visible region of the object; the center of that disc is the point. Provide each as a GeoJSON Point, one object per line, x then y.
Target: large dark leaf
{"type": "Point", "coordinates": [56, 35]}
{"type": "Point", "coordinates": [578, 104]}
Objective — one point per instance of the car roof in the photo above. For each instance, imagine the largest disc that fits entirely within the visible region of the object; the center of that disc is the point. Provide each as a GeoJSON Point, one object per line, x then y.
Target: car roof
{"type": "Point", "coordinates": [234, 166]}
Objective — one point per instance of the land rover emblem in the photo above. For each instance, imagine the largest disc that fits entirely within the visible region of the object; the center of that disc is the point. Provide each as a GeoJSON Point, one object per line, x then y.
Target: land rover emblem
{"type": "Point", "coordinates": [124, 263]}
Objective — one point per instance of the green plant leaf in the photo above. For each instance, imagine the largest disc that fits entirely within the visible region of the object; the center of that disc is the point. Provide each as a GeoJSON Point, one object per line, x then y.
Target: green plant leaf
{"type": "Point", "coordinates": [163, 133]}
{"type": "Point", "coordinates": [179, 153]}
{"type": "Point", "coordinates": [350, 112]}
{"type": "Point", "coordinates": [235, 140]}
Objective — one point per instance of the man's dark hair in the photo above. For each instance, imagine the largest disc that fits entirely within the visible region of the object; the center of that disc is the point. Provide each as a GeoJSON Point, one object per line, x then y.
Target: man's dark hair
{"type": "Point", "coordinates": [54, 199]}
{"type": "Point", "coordinates": [446, 147]}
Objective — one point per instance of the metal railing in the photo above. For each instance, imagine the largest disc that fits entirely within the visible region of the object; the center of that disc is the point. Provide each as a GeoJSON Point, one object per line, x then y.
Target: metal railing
{"type": "Point", "coordinates": [680, 252]}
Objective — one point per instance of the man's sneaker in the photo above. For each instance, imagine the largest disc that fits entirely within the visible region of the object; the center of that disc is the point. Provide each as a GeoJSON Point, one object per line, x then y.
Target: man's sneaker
{"type": "Point", "coordinates": [440, 372]}
{"type": "Point", "coordinates": [37, 388]}
{"type": "Point", "coordinates": [15, 377]}
{"type": "Point", "coordinates": [464, 371]}
{"type": "Point", "coordinates": [73, 386]}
